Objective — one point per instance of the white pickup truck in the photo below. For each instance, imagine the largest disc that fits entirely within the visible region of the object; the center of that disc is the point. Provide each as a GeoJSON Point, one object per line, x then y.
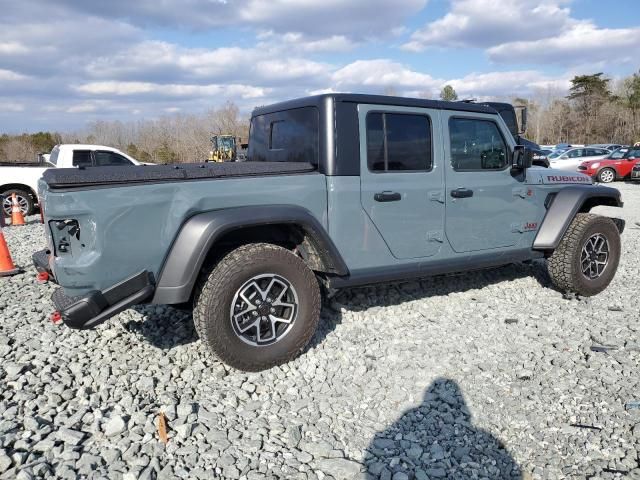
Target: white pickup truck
{"type": "Point", "coordinates": [22, 178]}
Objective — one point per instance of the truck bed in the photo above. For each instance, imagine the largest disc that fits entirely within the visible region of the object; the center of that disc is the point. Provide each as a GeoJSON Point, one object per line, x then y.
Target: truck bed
{"type": "Point", "coordinates": [24, 164]}
{"type": "Point", "coordinates": [86, 177]}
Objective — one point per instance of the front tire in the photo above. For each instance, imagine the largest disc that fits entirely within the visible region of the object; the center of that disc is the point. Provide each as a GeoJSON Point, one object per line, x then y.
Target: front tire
{"type": "Point", "coordinates": [587, 257]}
{"type": "Point", "coordinates": [258, 307]}
{"type": "Point", "coordinates": [607, 175]}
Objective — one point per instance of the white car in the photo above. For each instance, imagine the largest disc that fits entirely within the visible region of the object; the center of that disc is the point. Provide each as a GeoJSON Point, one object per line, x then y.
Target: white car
{"type": "Point", "coordinates": [570, 159]}
{"type": "Point", "coordinates": [22, 178]}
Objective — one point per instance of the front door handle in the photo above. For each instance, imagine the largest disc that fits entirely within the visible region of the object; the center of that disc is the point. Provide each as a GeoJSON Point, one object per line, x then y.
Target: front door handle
{"type": "Point", "coordinates": [461, 193]}
{"type": "Point", "coordinates": [387, 197]}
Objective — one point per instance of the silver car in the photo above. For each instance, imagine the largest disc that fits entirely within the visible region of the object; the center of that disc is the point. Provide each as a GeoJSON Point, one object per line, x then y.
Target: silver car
{"type": "Point", "coordinates": [571, 158]}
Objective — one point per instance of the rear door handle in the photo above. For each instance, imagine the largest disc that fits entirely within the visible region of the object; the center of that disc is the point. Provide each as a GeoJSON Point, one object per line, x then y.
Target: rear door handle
{"type": "Point", "coordinates": [387, 197]}
{"type": "Point", "coordinates": [461, 193]}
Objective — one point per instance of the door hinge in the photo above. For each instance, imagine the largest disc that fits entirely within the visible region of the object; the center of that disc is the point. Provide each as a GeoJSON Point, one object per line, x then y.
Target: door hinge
{"type": "Point", "coordinates": [435, 236]}
{"type": "Point", "coordinates": [436, 196]}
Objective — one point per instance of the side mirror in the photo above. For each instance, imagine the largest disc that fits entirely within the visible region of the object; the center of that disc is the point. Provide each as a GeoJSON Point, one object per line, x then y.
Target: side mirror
{"type": "Point", "coordinates": [521, 118]}
{"type": "Point", "coordinates": [522, 158]}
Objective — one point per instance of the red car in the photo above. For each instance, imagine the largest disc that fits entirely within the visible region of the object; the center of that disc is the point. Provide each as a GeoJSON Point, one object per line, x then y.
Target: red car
{"type": "Point", "coordinates": [616, 166]}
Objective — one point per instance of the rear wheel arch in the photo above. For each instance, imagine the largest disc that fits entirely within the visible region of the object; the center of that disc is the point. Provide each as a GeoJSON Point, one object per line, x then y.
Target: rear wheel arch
{"type": "Point", "coordinates": [205, 238]}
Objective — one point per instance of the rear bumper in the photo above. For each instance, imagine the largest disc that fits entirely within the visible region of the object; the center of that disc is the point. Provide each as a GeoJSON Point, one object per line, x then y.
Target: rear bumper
{"type": "Point", "coordinates": [90, 310]}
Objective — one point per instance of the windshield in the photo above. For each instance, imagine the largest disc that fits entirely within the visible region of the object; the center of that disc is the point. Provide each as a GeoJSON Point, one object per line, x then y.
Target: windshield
{"type": "Point", "coordinates": [226, 143]}
{"type": "Point", "coordinates": [632, 153]}
{"type": "Point", "coordinates": [54, 155]}
{"type": "Point", "coordinates": [556, 154]}
{"type": "Point", "coordinates": [619, 153]}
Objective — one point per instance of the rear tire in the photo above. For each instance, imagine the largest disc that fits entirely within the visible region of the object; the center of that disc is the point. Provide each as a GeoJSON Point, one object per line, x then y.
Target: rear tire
{"type": "Point", "coordinates": [587, 257]}
{"type": "Point", "coordinates": [237, 300]}
{"type": "Point", "coordinates": [24, 199]}
{"type": "Point", "coordinates": [607, 175]}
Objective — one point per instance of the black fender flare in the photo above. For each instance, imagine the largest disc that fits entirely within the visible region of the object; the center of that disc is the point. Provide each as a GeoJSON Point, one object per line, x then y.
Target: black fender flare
{"type": "Point", "coordinates": [565, 205]}
{"type": "Point", "coordinates": [200, 233]}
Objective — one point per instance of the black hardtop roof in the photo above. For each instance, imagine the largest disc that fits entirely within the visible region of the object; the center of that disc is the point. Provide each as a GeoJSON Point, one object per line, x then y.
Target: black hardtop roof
{"type": "Point", "coordinates": [317, 100]}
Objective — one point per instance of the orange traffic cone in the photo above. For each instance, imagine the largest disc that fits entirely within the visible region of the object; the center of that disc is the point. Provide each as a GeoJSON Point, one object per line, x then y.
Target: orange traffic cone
{"type": "Point", "coordinates": [16, 212]}
{"type": "Point", "coordinates": [6, 264]}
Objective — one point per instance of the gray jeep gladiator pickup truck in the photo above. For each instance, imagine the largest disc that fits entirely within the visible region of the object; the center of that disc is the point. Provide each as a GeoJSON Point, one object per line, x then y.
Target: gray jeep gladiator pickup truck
{"type": "Point", "coordinates": [339, 190]}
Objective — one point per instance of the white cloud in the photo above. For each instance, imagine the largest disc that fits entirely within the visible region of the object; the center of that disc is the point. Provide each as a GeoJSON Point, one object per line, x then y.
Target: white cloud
{"type": "Point", "coordinates": [169, 90]}
{"type": "Point", "coordinates": [291, 69]}
{"type": "Point", "coordinates": [504, 84]}
{"type": "Point", "coordinates": [384, 74]}
{"type": "Point", "coordinates": [12, 48]}
{"type": "Point", "coordinates": [381, 73]}
{"type": "Point", "coordinates": [164, 62]}
{"type": "Point", "coordinates": [485, 23]}
{"type": "Point", "coordinates": [581, 44]}
{"type": "Point", "coordinates": [11, 107]}
{"type": "Point", "coordinates": [82, 108]}
{"type": "Point", "coordinates": [270, 40]}
{"type": "Point", "coordinates": [317, 18]}
{"type": "Point", "coordinates": [526, 31]}
{"type": "Point", "coordinates": [8, 75]}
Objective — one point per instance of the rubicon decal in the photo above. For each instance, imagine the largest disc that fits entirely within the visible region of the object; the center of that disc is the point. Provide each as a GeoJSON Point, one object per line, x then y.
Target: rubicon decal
{"type": "Point", "coordinates": [567, 179]}
{"type": "Point", "coordinates": [530, 226]}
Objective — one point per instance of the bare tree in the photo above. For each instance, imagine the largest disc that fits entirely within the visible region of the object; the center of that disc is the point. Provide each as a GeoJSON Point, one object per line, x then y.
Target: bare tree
{"type": "Point", "coordinates": [18, 149]}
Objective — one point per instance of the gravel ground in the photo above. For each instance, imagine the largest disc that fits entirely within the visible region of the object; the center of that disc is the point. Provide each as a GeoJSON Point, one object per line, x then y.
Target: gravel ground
{"type": "Point", "coordinates": [482, 375]}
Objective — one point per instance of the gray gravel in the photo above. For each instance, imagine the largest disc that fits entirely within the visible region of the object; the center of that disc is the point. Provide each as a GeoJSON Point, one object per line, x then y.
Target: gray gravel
{"type": "Point", "coordinates": [482, 375]}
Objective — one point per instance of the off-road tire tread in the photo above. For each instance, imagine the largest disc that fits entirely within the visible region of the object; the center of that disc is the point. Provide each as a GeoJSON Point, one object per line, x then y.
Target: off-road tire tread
{"type": "Point", "coordinates": [560, 264]}
{"type": "Point", "coordinates": [213, 279]}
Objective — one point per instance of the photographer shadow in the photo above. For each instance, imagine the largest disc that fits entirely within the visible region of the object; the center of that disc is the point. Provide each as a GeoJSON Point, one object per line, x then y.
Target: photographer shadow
{"type": "Point", "coordinates": [438, 440]}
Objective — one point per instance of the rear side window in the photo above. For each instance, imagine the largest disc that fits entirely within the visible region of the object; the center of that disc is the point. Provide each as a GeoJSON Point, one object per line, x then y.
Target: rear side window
{"type": "Point", "coordinates": [82, 158]}
{"type": "Point", "coordinates": [104, 158]}
{"type": "Point", "coordinates": [578, 152]}
{"type": "Point", "coordinates": [592, 152]}
{"type": "Point", "coordinates": [287, 136]}
{"type": "Point", "coordinates": [398, 142]}
{"type": "Point", "coordinates": [476, 145]}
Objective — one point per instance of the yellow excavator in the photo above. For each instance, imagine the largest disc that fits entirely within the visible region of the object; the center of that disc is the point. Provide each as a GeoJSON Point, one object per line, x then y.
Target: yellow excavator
{"type": "Point", "coordinates": [223, 148]}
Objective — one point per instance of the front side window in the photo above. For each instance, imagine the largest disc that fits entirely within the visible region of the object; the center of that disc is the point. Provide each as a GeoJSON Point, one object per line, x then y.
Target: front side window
{"type": "Point", "coordinates": [398, 142]}
{"type": "Point", "coordinates": [82, 158]}
{"type": "Point", "coordinates": [476, 145]}
{"type": "Point", "coordinates": [287, 136]}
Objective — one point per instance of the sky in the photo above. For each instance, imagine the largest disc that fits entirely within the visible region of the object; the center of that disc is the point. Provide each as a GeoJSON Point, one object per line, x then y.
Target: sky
{"type": "Point", "coordinates": [64, 63]}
